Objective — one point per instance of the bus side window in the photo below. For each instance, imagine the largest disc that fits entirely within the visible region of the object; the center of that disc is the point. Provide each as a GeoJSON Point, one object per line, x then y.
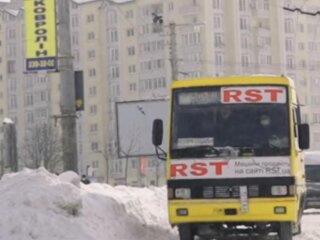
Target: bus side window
{"type": "Point", "coordinates": [295, 123]}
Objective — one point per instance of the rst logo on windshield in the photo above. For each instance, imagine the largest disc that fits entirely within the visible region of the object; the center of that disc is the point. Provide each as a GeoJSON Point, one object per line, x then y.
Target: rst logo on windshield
{"type": "Point", "coordinates": [253, 94]}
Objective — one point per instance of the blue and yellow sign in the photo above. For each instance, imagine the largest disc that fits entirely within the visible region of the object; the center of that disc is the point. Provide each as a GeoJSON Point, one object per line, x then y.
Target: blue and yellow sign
{"type": "Point", "coordinates": [41, 47]}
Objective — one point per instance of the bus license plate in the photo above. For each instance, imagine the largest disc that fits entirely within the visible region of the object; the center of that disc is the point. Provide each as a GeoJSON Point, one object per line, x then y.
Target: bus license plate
{"type": "Point", "coordinates": [244, 199]}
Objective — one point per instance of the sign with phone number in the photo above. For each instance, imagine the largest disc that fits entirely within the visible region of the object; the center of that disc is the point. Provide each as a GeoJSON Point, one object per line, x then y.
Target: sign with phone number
{"type": "Point", "coordinates": [48, 63]}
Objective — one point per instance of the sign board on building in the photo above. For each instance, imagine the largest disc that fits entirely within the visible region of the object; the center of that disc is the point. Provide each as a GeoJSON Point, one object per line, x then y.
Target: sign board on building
{"type": "Point", "coordinates": [134, 126]}
{"type": "Point", "coordinates": [40, 32]}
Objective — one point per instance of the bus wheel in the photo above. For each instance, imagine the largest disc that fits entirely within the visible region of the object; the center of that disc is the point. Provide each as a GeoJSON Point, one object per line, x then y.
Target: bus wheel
{"type": "Point", "coordinates": [285, 231]}
{"type": "Point", "coordinates": [186, 232]}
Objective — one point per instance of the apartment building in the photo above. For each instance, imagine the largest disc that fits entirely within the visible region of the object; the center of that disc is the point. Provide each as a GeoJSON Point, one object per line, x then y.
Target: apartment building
{"type": "Point", "coordinates": [213, 38]}
{"type": "Point", "coordinates": [125, 56]}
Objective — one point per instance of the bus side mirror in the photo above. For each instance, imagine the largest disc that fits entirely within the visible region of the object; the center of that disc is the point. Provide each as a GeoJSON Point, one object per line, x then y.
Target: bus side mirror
{"type": "Point", "coordinates": [304, 136]}
{"type": "Point", "coordinates": [157, 132]}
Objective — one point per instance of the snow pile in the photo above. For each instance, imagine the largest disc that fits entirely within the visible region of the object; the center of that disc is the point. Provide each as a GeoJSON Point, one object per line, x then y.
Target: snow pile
{"type": "Point", "coordinates": [38, 205]}
{"type": "Point", "coordinates": [310, 225]}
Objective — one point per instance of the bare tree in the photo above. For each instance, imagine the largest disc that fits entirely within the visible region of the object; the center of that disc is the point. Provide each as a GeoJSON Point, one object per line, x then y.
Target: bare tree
{"type": "Point", "coordinates": [106, 156]}
{"type": "Point", "coordinates": [132, 147]}
{"type": "Point", "coordinates": [42, 147]}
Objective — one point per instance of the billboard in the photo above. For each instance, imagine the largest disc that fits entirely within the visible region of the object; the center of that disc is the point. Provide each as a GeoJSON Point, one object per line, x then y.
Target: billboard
{"type": "Point", "coordinates": [134, 126]}
{"type": "Point", "coordinates": [40, 29]}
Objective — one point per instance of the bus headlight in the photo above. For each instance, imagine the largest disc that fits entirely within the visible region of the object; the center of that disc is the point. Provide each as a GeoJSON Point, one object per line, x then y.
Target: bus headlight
{"type": "Point", "coordinates": [279, 190]}
{"type": "Point", "coordinates": [183, 193]}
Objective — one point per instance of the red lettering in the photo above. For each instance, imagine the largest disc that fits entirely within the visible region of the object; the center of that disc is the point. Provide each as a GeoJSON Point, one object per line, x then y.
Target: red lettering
{"type": "Point", "coordinates": [253, 95]}
{"type": "Point", "coordinates": [218, 166]}
{"type": "Point", "coordinates": [228, 94]}
{"type": "Point", "coordinates": [178, 169]}
{"type": "Point", "coordinates": [199, 169]}
{"type": "Point", "coordinates": [274, 94]}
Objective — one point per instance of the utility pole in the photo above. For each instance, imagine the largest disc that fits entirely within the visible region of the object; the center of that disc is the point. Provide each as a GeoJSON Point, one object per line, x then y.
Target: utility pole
{"type": "Point", "coordinates": [158, 21]}
{"type": "Point", "coordinates": [67, 91]}
{"type": "Point", "coordinates": [173, 52]}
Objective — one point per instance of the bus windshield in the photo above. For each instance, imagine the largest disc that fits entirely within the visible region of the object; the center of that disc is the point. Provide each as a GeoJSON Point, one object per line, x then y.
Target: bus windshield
{"type": "Point", "coordinates": [205, 124]}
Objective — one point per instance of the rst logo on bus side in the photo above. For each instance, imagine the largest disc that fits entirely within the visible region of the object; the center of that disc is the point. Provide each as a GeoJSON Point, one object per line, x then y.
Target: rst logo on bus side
{"type": "Point", "coordinates": [230, 168]}
{"type": "Point", "coordinates": [253, 94]}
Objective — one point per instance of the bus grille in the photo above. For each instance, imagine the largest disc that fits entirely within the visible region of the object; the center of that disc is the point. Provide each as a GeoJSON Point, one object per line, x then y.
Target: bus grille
{"type": "Point", "coordinates": [229, 191]}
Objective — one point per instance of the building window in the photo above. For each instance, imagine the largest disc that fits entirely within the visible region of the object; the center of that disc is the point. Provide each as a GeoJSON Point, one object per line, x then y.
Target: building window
{"type": "Point", "coordinates": [11, 50]}
{"type": "Point", "coordinates": [92, 72]}
{"type": "Point", "coordinates": [244, 42]}
{"type": "Point", "coordinates": [91, 54]}
{"type": "Point", "coordinates": [289, 44]}
{"type": "Point", "coordinates": [91, 35]}
{"type": "Point", "coordinates": [92, 91]}
{"type": "Point", "coordinates": [115, 73]}
{"type": "Point", "coordinates": [290, 62]}
{"type": "Point", "coordinates": [115, 90]}
{"type": "Point", "coordinates": [244, 23]}
{"type": "Point", "coordinates": [266, 5]}
{"type": "Point", "coordinates": [13, 104]}
{"type": "Point", "coordinates": [11, 34]}
{"type": "Point", "coordinates": [93, 109]}
{"type": "Point", "coordinates": [75, 38]}
{"type": "Point", "coordinates": [133, 87]}
{"type": "Point", "coordinates": [74, 5]}
{"type": "Point", "coordinates": [242, 5]}
{"type": "Point", "coordinates": [76, 55]}
{"type": "Point", "coordinates": [13, 84]}
{"type": "Point", "coordinates": [301, 45]}
{"type": "Point", "coordinates": [11, 66]}
{"type": "Point", "coordinates": [132, 68]}
{"type": "Point", "coordinates": [129, 14]}
{"type": "Point", "coordinates": [113, 35]}
{"type": "Point", "coordinates": [114, 54]}
{"type": "Point", "coordinates": [29, 117]}
{"type": "Point", "coordinates": [245, 61]}
{"type": "Point", "coordinates": [190, 39]}
{"type": "Point", "coordinates": [74, 21]}
{"type": "Point", "coordinates": [170, 6]}
{"type": "Point", "coordinates": [111, 17]}
{"type": "Point", "coordinates": [130, 32]}
{"type": "Point", "coordinates": [90, 18]}
{"type": "Point", "coordinates": [217, 21]}
{"type": "Point", "coordinates": [219, 59]}
{"type": "Point", "coordinates": [131, 51]}
{"type": "Point", "coordinates": [43, 96]}
{"type": "Point", "coordinates": [94, 127]}
{"type": "Point", "coordinates": [218, 40]}
{"type": "Point", "coordinates": [94, 146]}
{"type": "Point", "coordinates": [28, 99]}
{"type": "Point", "coordinates": [95, 164]}
{"type": "Point", "coordinates": [288, 26]}
{"type": "Point", "coordinates": [217, 4]}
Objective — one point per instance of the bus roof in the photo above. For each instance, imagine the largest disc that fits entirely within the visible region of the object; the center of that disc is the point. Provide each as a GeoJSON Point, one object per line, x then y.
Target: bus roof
{"type": "Point", "coordinates": [312, 157]}
{"type": "Point", "coordinates": [234, 80]}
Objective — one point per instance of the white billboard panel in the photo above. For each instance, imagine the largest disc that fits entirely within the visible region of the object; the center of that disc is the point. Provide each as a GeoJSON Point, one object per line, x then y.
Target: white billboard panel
{"type": "Point", "coordinates": [134, 126]}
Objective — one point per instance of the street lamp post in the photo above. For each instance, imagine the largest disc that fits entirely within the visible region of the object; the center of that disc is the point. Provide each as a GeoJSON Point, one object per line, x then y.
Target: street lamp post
{"type": "Point", "coordinates": [9, 145]}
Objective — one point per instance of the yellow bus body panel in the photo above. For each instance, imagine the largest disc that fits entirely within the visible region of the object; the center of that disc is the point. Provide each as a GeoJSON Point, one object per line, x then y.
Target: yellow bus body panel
{"type": "Point", "coordinates": [229, 81]}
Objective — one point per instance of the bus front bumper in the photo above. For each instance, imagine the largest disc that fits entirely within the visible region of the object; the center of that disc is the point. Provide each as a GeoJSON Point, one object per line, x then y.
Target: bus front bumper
{"type": "Point", "coordinates": [230, 210]}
